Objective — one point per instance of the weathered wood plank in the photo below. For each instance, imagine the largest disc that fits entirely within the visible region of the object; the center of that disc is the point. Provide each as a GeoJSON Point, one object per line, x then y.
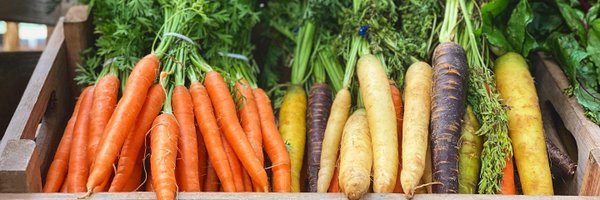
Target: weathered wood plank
{"type": "Point", "coordinates": [32, 11]}
{"type": "Point", "coordinates": [15, 70]}
{"type": "Point", "coordinates": [591, 186]}
{"type": "Point", "coordinates": [19, 167]}
{"type": "Point", "coordinates": [279, 196]}
{"type": "Point", "coordinates": [11, 37]}
{"type": "Point", "coordinates": [40, 116]}
{"type": "Point", "coordinates": [78, 31]}
{"type": "Point", "coordinates": [551, 83]}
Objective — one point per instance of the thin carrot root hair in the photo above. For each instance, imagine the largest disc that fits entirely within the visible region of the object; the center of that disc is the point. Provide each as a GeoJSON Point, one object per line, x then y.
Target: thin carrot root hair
{"type": "Point", "coordinates": [411, 193]}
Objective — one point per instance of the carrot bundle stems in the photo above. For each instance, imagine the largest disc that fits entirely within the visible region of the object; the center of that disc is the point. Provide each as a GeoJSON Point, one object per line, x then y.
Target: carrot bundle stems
{"type": "Point", "coordinates": [274, 145]}
{"type": "Point", "coordinates": [226, 114]}
{"type": "Point", "coordinates": [164, 138]}
{"type": "Point", "coordinates": [319, 103]}
{"type": "Point", "coordinates": [134, 143]}
{"type": "Point", "coordinates": [78, 168]}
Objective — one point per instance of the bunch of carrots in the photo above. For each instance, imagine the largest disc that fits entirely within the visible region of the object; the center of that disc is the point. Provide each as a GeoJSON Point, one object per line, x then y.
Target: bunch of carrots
{"type": "Point", "coordinates": [191, 116]}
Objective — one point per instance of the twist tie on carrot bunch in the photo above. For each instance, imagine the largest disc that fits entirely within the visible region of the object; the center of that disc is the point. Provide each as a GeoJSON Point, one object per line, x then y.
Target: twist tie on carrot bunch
{"type": "Point", "coordinates": [181, 37]}
{"type": "Point", "coordinates": [235, 56]}
{"type": "Point", "coordinates": [363, 30]}
{"type": "Point", "coordinates": [110, 61]}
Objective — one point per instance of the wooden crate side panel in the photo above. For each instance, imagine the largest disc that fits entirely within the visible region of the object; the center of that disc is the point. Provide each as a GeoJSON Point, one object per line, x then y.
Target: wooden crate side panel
{"type": "Point", "coordinates": [591, 187]}
{"type": "Point", "coordinates": [551, 83]}
{"type": "Point", "coordinates": [32, 11]}
{"type": "Point", "coordinates": [39, 119]}
{"type": "Point", "coordinates": [78, 31]}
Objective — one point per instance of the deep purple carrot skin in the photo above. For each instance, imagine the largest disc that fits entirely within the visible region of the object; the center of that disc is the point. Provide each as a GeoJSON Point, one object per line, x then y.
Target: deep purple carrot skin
{"type": "Point", "coordinates": [448, 106]}
{"type": "Point", "coordinates": [560, 160]}
{"type": "Point", "coordinates": [319, 104]}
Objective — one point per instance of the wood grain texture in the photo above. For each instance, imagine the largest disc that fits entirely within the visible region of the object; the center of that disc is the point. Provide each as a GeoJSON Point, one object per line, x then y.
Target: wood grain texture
{"type": "Point", "coordinates": [32, 11]}
{"type": "Point", "coordinates": [591, 185]}
{"type": "Point", "coordinates": [78, 30]}
{"type": "Point", "coordinates": [551, 83]}
{"type": "Point", "coordinates": [39, 120]}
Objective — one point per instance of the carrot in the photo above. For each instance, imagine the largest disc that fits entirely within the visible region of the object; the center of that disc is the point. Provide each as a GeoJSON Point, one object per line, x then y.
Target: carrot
{"type": "Point", "coordinates": [447, 110]}
{"type": "Point", "coordinates": [334, 187]}
{"type": "Point", "coordinates": [427, 172]}
{"type": "Point", "coordinates": [63, 188]}
{"type": "Point", "coordinates": [292, 127]}
{"type": "Point", "coordinates": [340, 109]}
{"type": "Point", "coordinates": [163, 138]}
{"type": "Point", "coordinates": [382, 122]}
{"type": "Point", "coordinates": [319, 103]}
{"type": "Point", "coordinates": [560, 160]}
{"type": "Point", "coordinates": [508, 179]}
{"type": "Point", "coordinates": [211, 183]}
{"type": "Point", "coordinates": [397, 99]}
{"type": "Point", "coordinates": [525, 128]}
{"type": "Point", "coordinates": [188, 179]}
{"type": "Point", "coordinates": [135, 141]}
{"type": "Point", "coordinates": [249, 118]}
{"type": "Point", "coordinates": [211, 133]}
{"type": "Point", "coordinates": [105, 99]}
{"type": "Point", "coordinates": [228, 121]}
{"type": "Point", "coordinates": [234, 164]}
{"type": "Point", "coordinates": [103, 187]}
{"type": "Point", "coordinates": [202, 158]}
{"type": "Point", "coordinates": [123, 118]}
{"type": "Point", "coordinates": [356, 156]}
{"type": "Point", "coordinates": [247, 182]}
{"type": "Point", "coordinates": [78, 168]}
{"type": "Point", "coordinates": [415, 125]}
{"type": "Point", "coordinates": [149, 180]}
{"type": "Point", "coordinates": [136, 177]}
{"type": "Point", "coordinates": [469, 160]}
{"type": "Point", "coordinates": [274, 145]}
{"type": "Point", "coordinates": [60, 165]}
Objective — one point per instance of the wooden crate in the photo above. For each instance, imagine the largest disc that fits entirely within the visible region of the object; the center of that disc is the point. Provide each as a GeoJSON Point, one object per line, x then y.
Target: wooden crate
{"type": "Point", "coordinates": [551, 82]}
{"type": "Point", "coordinates": [34, 132]}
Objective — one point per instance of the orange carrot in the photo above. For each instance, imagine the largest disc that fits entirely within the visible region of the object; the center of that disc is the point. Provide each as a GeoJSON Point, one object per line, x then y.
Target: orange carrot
{"type": "Point", "coordinates": [63, 188]}
{"type": "Point", "coordinates": [60, 165]}
{"type": "Point", "coordinates": [136, 177]}
{"type": "Point", "coordinates": [397, 99]}
{"type": "Point", "coordinates": [249, 119]}
{"type": "Point", "coordinates": [105, 99]}
{"type": "Point", "coordinates": [234, 164]}
{"type": "Point", "coordinates": [188, 179]}
{"type": "Point", "coordinates": [211, 133]}
{"type": "Point", "coordinates": [78, 168]}
{"type": "Point", "coordinates": [229, 122]}
{"type": "Point", "coordinates": [163, 146]}
{"type": "Point", "coordinates": [211, 184]}
{"type": "Point", "coordinates": [334, 186]}
{"type": "Point", "coordinates": [508, 179]}
{"type": "Point", "coordinates": [149, 180]}
{"type": "Point", "coordinates": [276, 149]}
{"type": "Point", "coordinates": [103, 187]}
{"type": "Point", "coordinates": [133, 146]}
{"type": "Point", "coordinates": [247, 181]}
{"type": "Point", "coordinates": [202, 158]}
{"type": "Point", "coordinates": [123, 118]}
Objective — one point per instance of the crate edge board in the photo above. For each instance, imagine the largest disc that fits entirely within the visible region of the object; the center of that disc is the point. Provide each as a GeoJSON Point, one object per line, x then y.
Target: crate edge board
{"type": "Point", "coordinates": [551, 82]}
{"type": "Point", "coordinates": [274, 196]}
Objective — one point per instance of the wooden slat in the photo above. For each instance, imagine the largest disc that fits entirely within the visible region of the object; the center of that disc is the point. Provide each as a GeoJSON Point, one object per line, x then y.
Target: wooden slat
{"type": "Point", "coordinates": [19, 167]}
{"type": "Point", "coordinates": [78, 30]}
{"type": "Point", "coordinates": [11, 37]}
{"type": "Point", "coordinates": [15, 70]}
{"type": "Point", "coordinates": [32, 11]}
{"type": "Point", "coordinates": [551, 83]}
{"type": "Point", "coordinates": [279, 196]}
{"type": "Point", "coordinates": [46, 100]}
{"type": "Point", "coordinates": [591, 185]}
